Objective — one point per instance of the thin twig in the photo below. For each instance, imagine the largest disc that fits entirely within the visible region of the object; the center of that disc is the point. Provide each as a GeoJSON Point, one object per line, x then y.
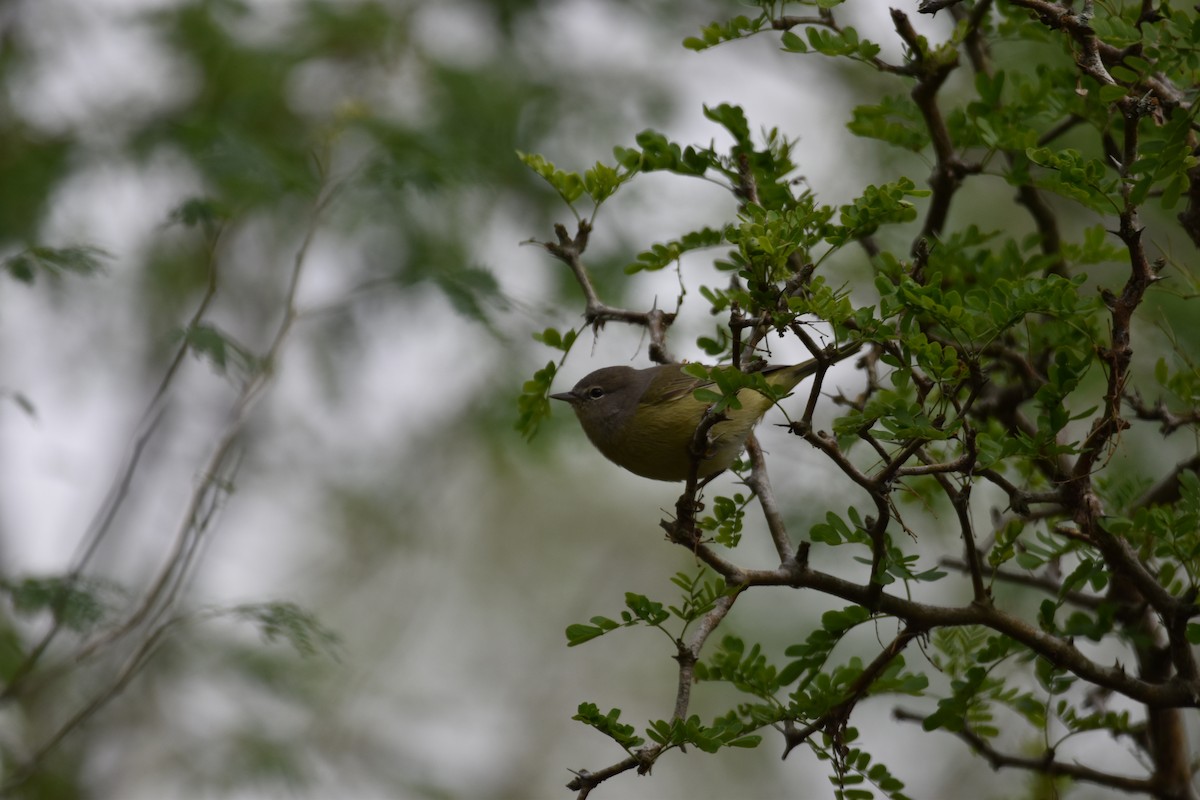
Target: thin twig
{"type": "Point", "coordinates": [1045, 765]}
{"type": "Point", "coordinates": [1046, 584]}
{"type": "Point", "coordinates": [837, 717]}
{"type": "Point", "coordinates": [114, 499]}
{"type": "Point", "coordinates": [202, 506]}
{"type": "Point", "coordinates": [760, 484]}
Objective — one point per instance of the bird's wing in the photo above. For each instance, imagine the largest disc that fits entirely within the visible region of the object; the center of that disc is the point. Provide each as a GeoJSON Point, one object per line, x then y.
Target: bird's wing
{"type": "Point", "coordinates": [671, 383]}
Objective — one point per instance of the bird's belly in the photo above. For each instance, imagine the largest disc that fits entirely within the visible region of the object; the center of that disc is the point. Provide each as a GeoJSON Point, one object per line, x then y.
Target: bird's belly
{"type": "Point", "coordinates": [662, 453]}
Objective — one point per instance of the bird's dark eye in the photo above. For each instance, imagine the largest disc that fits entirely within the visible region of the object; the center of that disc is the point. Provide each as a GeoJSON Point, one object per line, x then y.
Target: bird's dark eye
{"type": "Point", "coordinates": [595, 393]}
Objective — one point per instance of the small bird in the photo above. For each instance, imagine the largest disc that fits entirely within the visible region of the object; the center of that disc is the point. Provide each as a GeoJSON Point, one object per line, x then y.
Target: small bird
{"type": "Point", "coordinates": [645, 419]}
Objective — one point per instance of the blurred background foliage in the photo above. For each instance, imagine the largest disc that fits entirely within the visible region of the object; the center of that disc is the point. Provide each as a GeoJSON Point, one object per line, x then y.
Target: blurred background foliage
{"type": "Point", "coordinates": [381, 484]}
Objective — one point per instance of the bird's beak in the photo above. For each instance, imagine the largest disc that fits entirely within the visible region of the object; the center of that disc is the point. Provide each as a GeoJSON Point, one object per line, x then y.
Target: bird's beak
{"type": "Point", "coordinates": [566, 397]}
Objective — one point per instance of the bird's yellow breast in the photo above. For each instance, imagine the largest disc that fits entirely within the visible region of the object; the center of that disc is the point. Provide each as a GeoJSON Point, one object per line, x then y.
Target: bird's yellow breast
{"type": "Point", "coordinates": [660, 449]}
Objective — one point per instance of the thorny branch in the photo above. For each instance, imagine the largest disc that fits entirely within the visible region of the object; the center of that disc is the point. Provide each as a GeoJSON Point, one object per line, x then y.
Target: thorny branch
{"type": "Point", "coordinates": [949, 170]}
{"type": "Point", "coordinates": [1170, 421]}
{"type": "Point", "coordinates": [1167, 678]}
{"type": "Point", "coordinates": [687, 654]}
{"type": "Point", "coordinates": [570, 250]}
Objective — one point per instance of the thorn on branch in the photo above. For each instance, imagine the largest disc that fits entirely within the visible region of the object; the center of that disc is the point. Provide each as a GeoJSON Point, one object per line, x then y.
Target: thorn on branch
{"type": "Point", "coordinates": [569, 250]}
{"type": "Point", "coordinates": [1169, 421]}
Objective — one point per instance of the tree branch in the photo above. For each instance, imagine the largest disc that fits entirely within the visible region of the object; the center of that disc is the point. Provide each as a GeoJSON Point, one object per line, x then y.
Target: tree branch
{"type": "Point", "coordinates": [1173, 692]}
{"type": "Point", "coordinates": [570, 251]}
{"type": "Point", "coordinates": [836, 718]}
{"type": "Point", "coordinates": [760, 484]}
{"type": "Point", "coordinates": [1045, 765]}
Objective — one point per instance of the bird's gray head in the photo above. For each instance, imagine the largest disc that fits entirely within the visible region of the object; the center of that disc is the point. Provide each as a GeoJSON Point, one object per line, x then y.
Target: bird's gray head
{"type": "Point", "coordinates": [605, 400]}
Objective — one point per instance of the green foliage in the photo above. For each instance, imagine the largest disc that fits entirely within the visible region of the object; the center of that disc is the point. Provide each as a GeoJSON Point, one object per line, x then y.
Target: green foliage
{"type": "Point", "coordinates": [342, 113]}
{"type": "Point", "coordinates": [878, 206]}
{"type": "Point", "coordinates": [1073, 175]}
{"type": "Point", "coordinates": [289, 623]}
{"type": "Point", "coordinates": [723, 386]}
{"type": "Point", "coordinates": [1163, 162]}
{"type": "Point", "coordinates": [708, 738]}
{"type": "Point", "coordinates": [699, 595]}
{"type": "Point", "coordinates": [854, 770]}
{"type": "Point", "coordinates": [660, 256]}
{"type": "Point", "coordinates": [1169, 533]}
{"type": "Point", "coordinates": [80, 604]}
{"type": "Point", "coordinates": [200, 212]}
{"type": "Point", "coordinates": [748, 672]}
{"type": "Point", "coordinates": [972, 657]}
{"type": "Point", "coordinates": [54, 262]}
{"type": "Point", "coordinates": [895, 565]}
{"type": "Point", "coordinates": [220, 349]}
{"type": "Point", "coordinates": [766, 166]}
{"type": "Point", "coordinates": [249, 140]}
{"type": "Point", "coordinates": [726, 520]}
{"type": "Point", "coordinates": [622, 734]}
{"type": "Point", "coordinates": [31, 164]}
{"type": "Point", "coordinates": [559, 341]}
{"type": "Point", "coordinates": [468, 288]}
{"type": "Point", "coordinates": [569, 185]}
{"type": "Point", "coordinates": [1005, 351]}
{"type": "Point", "coordinates": [534, 401]}
{"type": "Point", "coordinates": [656, 152]}
{"type": "Point", "coordinates": [718, 32]}
{"type": "Point", "coordinates": [894, 120]}
{"type": "Point", "coordinates": [1182, 384]}
{"type": "Point", "coordinates": [841, 42]}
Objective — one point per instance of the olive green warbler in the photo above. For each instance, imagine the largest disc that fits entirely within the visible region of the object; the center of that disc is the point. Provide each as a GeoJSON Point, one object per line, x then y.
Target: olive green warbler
{"type": "Point", "coordinates": [645, 419]}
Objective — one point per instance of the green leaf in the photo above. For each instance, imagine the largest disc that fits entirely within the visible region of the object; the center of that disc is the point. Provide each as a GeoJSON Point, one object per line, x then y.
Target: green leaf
{"type": "Point", "coordinates": [569, 185]}
{"type": "Point", "coordinates": [718, 32]}
{"type": "Point", "coordinates": [745, 741]}
{"type": "Point", "coordinates": [663, 255]}
{"type": "Point", "coordinates": [733, 119]}
{"type": "Point", "coordinates": [602, 181]}
{"type": "Point", "coordinates": [878, 205]}
{"type": "Point", "coordinates": [578, 634]}
{"type": "Point", "coordinates": [533, 404]}
{"type": "Point", "coordinates": [467, 287]}
{"type": "Point", "coordinates": [793, 43]}
{"type": "Point", "coordinates": [199, 212]}
{"type": "Point", "coordinates": [54, 262]}
{"type": "Point", "coordinates": [1073, 175]}
{"type": "Point", "coordinates": [645, 609]}
{"type": "Point", "coordinates": [895, 120]}
{"type": "Point", "coordinates": [221, 350]}
{"type": "Point", "coordinates": [559, 341]}
{"type": "Point", "coordinates": [79, 604]}
{"type": "Point", "coordinates": [292, 624]}
{"type": "Point", "coordinates": [609, 725]}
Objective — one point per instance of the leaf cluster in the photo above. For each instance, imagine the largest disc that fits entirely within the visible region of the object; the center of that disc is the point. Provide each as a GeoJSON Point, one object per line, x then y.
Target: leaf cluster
{"type": "Point", "coordinates": [999, 352]}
